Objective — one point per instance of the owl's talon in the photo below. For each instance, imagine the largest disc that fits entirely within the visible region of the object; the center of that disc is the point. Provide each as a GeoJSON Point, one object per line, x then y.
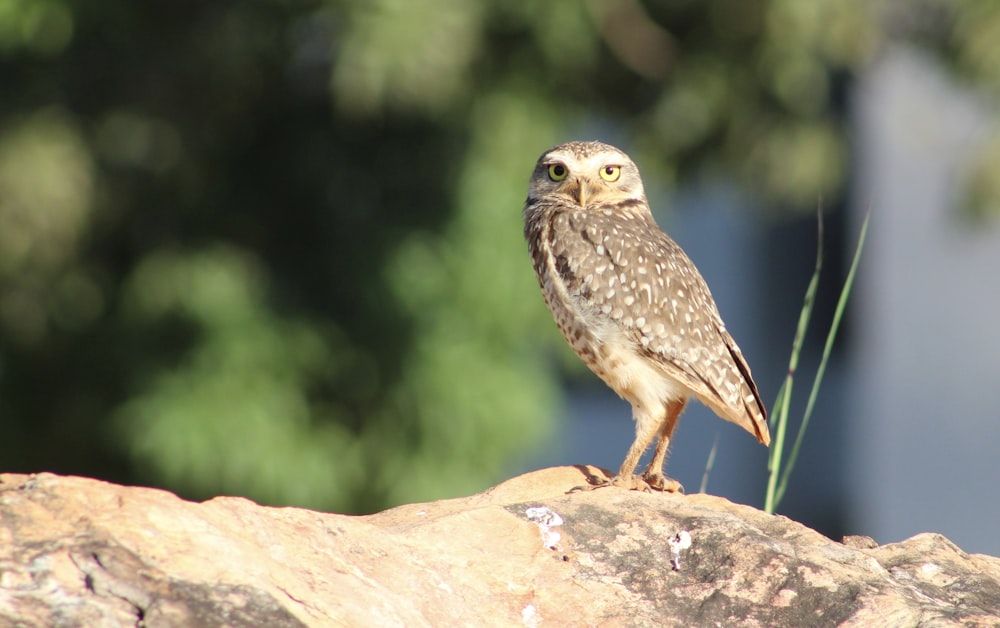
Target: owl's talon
{"type": "Point", "coordinates": [631, 482]}
{"type": "Point", "coordinates": [662, 483]}
{"type": "Point", "coordinates": [647, 483]}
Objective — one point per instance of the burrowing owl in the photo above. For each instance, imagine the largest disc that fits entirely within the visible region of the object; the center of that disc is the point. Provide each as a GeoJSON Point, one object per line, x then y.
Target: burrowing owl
{"type": "Point", "coordinates": [631, 303]}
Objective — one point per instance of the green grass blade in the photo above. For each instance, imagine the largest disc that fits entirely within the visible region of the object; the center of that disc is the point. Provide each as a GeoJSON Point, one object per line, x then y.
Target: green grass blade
{"type": "Point", "coordinates": [777, 445]}
{"type": "Point", "coordinates": [780, 406]}
{"type": "Point", "coordinates": [821, 370]}
{"type": "Point", "coordinates": [779, 412]}
{"type": "Point", "coordinates": [709, 464]}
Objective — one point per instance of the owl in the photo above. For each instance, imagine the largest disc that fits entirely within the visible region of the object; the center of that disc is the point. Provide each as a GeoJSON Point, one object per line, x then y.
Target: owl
{"type": "Point", "coordinates": [631, 303]}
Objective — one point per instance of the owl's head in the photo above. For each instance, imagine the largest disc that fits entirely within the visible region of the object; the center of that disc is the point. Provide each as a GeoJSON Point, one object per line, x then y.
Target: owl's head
{"type": "Point", "coordinates": [586, 174]}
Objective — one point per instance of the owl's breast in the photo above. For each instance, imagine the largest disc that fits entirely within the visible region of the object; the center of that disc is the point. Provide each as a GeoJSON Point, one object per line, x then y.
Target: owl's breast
{"type": "Point", "coordinates": [607, 350]}
{"type": "Point", "coordinates": [578, 281]}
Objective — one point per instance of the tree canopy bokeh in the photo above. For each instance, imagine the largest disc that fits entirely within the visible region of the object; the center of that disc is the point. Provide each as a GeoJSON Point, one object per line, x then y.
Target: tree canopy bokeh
{"type": "Point", "coordinates": [273, 247]}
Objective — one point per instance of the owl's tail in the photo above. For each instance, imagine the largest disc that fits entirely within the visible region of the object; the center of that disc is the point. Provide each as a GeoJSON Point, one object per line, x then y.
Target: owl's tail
{"type": "Point", "coordinates": [755, 414]}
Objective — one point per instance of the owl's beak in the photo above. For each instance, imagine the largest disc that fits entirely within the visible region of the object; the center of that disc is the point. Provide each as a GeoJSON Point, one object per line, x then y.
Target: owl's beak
{"type": "Point", "coordinates": [580, 191]}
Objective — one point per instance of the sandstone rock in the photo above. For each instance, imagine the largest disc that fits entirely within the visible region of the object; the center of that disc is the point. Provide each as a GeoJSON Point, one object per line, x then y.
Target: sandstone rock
{"type": "Point", "coordinates": [80, 552]}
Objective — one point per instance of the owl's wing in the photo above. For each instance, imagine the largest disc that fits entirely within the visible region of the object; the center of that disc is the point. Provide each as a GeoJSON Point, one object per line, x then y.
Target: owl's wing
{"type": "Point", "coordinates": [636, 275]}
{"type": "Point", "coordinates": [747, 395]}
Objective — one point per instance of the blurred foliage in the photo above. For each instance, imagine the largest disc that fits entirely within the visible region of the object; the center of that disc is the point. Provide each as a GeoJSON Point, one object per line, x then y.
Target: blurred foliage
{"type": "Point", "coordinates": [273, 247]}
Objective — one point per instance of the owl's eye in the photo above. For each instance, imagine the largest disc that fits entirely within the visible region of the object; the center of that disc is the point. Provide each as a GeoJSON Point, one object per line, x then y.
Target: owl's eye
{"type": "Point", "coordinates": [557, 172]}
{"type": "Point", "coordinates": [611, 173]}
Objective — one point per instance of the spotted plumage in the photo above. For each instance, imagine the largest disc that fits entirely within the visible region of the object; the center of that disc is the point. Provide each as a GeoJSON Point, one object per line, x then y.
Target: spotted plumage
{"type": "Point", "coordinates": [630, 302]}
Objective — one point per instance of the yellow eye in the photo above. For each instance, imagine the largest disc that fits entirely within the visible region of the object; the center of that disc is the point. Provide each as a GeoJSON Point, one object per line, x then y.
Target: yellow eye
{"type": "Point", "coordinates": [557, 172]}
{"type": "Point", "coordinates": [611, 173]}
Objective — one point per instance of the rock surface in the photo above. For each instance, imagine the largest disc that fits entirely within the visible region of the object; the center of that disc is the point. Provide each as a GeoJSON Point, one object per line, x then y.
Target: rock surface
{"type": "Point", "coordinates": [80, 552]}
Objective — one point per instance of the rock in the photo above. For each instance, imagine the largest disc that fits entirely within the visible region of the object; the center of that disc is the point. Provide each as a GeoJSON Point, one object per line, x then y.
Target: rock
{"type": "Point", "coordinates": [81, 552]}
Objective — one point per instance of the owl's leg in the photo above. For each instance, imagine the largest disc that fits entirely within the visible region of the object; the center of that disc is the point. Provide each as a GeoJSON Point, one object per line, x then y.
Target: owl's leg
{"type": "Point", "coordinates": [654, 472]}
{"type": "Point", "coordinates": [646, 426]}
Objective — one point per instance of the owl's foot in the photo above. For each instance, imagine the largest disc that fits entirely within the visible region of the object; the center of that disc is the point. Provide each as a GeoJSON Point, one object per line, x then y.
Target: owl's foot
{"type": "Point", "coordinates": [647, 483]}
{"type": "Point", "coordinates": [631, 483]}
{"type": "Point", "coordinates": [660, 482]}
